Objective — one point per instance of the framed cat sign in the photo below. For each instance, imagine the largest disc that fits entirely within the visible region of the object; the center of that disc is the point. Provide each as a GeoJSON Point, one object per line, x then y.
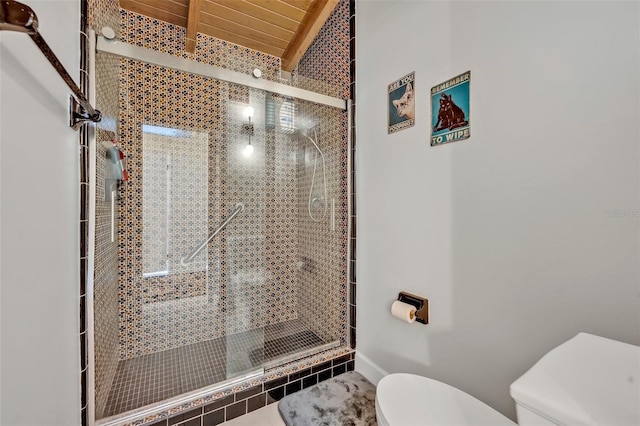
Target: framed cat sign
{"type": "Point", "coordinates": [450, 110]}
{"type": "Point", "coordinates": [402, 106]}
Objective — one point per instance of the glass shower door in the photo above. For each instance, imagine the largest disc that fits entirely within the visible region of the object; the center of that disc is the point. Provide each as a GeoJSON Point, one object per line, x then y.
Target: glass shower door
{"type": "Point", "coordinates": [244, 168]}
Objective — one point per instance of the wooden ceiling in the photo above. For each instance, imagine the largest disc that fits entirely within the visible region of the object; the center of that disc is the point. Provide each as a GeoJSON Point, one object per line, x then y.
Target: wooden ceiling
{"type": "Point", "coordinates": [283, 28]}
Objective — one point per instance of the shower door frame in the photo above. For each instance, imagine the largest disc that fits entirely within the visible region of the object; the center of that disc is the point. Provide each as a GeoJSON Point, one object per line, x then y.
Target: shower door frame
{"type": "Point", "coordinates": [166, 60]}
{"type": "Point", "coordinates": [123, 50]}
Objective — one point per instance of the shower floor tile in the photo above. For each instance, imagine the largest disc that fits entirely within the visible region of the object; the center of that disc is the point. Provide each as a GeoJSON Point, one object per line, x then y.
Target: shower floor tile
{"type": "Point", "coordinates": [155, 377]}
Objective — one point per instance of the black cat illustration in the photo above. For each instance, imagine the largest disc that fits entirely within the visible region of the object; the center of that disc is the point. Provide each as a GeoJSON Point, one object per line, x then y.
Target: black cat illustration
{"type": "Point", "coordinates": [443, 117]}
{"type": "Point", "coordinates": [450, 115]}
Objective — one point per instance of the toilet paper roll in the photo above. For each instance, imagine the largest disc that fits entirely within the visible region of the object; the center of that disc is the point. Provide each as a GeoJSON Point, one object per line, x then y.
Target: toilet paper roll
{"type": "Point", "coordinates": [403, 311]}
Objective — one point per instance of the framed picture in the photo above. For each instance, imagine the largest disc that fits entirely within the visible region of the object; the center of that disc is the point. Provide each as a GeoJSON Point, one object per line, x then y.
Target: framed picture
{"type": "Point", "coordinates": [450, 110]}
{"type": "Point", "coordinates": [402, 105]}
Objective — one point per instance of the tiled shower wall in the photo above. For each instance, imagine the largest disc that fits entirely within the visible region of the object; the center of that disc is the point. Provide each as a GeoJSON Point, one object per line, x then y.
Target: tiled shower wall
{"type": "Point", "coordinates": [325, 68]}
{"type": "Point", "coordinates": [321, 300]}
{"type": "Point", "coordinates": [260, 243]}
{"type": "Point", "coordinates": [105, 275]}
{"type": "Point", "coordinates": [238, 281]}
{"type": "Point", "coordinates": [307, 278]}
{"type": "Point", "coordinates": [325, 65]}
{"type": "Point", "coordinates": [151, 95]}
{"type": "Point", "coordinates": [105, 282]}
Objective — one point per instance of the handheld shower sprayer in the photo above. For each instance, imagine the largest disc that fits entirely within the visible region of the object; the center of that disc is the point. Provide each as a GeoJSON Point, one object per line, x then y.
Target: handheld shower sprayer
{"type": "Point", "coordinates": [300, 128]}
{"type": "Point", "coordinates": [316, 200]}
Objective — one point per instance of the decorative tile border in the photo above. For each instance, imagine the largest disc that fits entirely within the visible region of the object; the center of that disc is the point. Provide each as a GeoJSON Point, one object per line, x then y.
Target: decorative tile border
{"type": "Point", "coordinates": [352, 181]}
{"type": "Point", "coordinates": [83, 143]}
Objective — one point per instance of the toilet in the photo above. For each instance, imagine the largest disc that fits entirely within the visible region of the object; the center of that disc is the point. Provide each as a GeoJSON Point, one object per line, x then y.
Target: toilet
{"type": "Point", "coordinates": [588, 380]}
{"type": "Point", "coordinates": [408, 400]}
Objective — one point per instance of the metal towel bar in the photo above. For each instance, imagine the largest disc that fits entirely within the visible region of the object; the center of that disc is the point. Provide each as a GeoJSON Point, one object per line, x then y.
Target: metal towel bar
{"type": "Point", "coordinates": [188, 259]}
{"type": "Point", "coordinates": [21, 18]}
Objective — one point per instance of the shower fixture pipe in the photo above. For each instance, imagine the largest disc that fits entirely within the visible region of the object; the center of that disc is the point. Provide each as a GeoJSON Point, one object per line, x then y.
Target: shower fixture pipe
{"type": "Point", "coordinates": [188, 259]}
{"type": "Point", "coordinates": [21, 18]}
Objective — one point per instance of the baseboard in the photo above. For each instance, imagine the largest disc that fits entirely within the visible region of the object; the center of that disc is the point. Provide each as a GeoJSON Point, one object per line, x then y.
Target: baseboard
{"type": "Point", "coordinates": [373, 372]}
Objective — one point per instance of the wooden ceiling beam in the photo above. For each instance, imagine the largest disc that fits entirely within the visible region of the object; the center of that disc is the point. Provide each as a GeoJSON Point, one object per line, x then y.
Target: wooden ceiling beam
{"type": "Point", "coordinates": [309, 28]}
{"type": "Point", "coordinates": [192, 25]}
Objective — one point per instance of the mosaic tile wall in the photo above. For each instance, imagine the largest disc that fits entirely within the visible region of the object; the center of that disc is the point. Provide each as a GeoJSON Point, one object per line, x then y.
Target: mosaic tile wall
{"type": "Point", "coordinates": [322, 280]}
{"type": "Point", "coordinates": [107, 74]}
{"type": "Point", "coordinates": [104, 13]}
{"type": "Point", "coordinates": [238, 277]}
{"type": "Point", "coordinates": [105, 274]}
{"type": "Point", "coordinates": [162, 36]}
{"type": "Point", "coordinates": [160, 97]}
{"type": "Point", "coordinates": [324, 68]}
{"type": "Point", "coordinates": [268, 264]}
{"type": "Point", "coordinates": [106, 314]}
{"type": "Point", "coordinates": [322, 275]}
{"type": "Point", "coordinates": [260, 243]}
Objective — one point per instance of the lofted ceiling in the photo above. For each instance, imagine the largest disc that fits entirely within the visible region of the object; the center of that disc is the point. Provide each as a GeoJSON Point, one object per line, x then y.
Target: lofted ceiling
{"type": "Point", "coordinates": [283, 28]}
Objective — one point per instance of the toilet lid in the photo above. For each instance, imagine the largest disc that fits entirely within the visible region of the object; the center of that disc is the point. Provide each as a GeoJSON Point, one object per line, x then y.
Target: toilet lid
{"type": "Point", "coordinates": [407, 399]}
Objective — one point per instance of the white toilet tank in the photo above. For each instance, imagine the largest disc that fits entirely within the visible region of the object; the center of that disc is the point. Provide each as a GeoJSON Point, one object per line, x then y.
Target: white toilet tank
{"type": "Point", "coordinates": [588, 380]}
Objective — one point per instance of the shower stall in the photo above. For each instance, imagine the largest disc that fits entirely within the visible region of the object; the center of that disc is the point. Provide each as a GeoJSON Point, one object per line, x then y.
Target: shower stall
{"type": "Point", "coordinates": [213, 265]}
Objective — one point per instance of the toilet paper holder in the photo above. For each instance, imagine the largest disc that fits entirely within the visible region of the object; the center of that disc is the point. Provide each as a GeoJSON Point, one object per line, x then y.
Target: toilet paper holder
{"type": "Point", "coordinates": [421, 304]}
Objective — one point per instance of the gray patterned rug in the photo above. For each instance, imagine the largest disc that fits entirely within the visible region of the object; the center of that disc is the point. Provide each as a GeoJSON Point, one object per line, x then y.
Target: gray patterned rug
{"type": "Point", "coordinates": [347, 399]}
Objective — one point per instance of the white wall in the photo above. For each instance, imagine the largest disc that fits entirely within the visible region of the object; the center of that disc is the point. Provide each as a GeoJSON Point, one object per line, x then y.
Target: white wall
{"type": "Point", "coordinates": [39, 220]}
{"type": "Point", "coordinates": [509, 234]}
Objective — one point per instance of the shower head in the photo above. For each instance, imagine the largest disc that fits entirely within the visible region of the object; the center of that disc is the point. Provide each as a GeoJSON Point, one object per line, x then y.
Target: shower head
{"type": "Point", "coordinates": [306, 124]}
{"type": "Point", "coordinates": [299, 133]}
{"type": "Point", "coordinates": [305, 129]}
{"type": "Point", "coordinates": [288, 119]}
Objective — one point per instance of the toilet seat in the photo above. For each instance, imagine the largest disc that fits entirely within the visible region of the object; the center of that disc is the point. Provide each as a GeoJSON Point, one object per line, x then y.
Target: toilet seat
{"type": "Point", "coordinates": [408, 399]}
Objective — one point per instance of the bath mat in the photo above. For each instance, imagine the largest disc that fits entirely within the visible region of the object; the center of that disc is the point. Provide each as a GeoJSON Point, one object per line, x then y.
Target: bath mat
{"type": "Point", "coordinates": [347, 399]}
